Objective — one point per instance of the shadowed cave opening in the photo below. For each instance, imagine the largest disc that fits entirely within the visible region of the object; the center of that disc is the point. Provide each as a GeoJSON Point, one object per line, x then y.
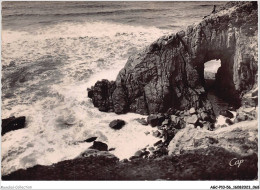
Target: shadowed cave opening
{"type": "Point", "coordinates": [210, 70]}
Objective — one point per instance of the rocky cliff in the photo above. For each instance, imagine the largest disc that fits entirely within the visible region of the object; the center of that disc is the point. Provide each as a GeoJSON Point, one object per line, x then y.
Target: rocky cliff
{"type": "Point", "coordinates": [170, 72]}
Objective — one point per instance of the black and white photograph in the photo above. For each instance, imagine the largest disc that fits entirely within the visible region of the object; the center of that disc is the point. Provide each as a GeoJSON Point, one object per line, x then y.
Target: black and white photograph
{"type": "Point", "coordinates": [129, 91]}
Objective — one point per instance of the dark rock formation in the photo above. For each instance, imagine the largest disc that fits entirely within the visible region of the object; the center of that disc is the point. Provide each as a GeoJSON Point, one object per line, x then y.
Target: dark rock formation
{"type": "Point", "coordinates": [156, 133]}
{"type": "Point", "coordinates": [175, 121]}
{"type": "Point", "coordinates": [229, 121]}
{"type": "Point", "coordinates": [140, 154]}
{"type": "Point", "coordinates": [117, 124]}
{"type": "Point", "coordinates": [111, 149]}
{"type": "Point", "coordinates": [204, 116]}
{"type": "Point", "coordinates": [165, 122]}
{"type": "Point", "coordinates": [101, 95]}
{"type": "Point", "coordinates": [157, 143]}
{"type": "Point", "coordinates": [155, 120]}
{"type": "Point", "coordinates": [240, 117]}
{"type": "Point", "coordinates": [91, 139]}
{"type": "Point", "coordinates": [226, 113]}
{"type": "Point", "coordinates": [97, 145]}
{"type": "Point", "coordinates": [170, 72]}
{"type": "Point", "coordinates": [12, 123]}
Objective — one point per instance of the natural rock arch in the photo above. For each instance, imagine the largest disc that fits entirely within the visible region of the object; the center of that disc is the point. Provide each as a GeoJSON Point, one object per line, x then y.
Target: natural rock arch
{"type": "Point", "coordinates": [170, 72]}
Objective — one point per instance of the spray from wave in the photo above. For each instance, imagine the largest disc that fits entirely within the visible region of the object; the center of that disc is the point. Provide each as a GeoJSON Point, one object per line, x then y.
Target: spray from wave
{"type": "Point", "coordinates": [45, 74]}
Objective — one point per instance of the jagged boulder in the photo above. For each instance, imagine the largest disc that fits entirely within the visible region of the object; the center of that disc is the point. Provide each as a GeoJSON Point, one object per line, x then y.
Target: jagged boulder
{"type": "Point", "coordinates": [101, 95]}
{"type": "Point", "coordinates": [155, 120]}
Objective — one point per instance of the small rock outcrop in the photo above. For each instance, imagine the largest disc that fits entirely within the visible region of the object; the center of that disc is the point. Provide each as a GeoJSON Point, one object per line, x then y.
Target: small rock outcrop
{"type": "Point", "coordinates": [155, 120]}
{"type": "Point", "coordinates": [97, 145]}
{"type": "Point", "coordinates": [170, 72]}
{"type": "Point", "coordinates": [117, 124]}
{"type": "Point", "coordinates": [12, 123]}
{"type": "Point", "coordinates": [98, 154]}
{"type": "Point", "coordinates": [91, 139]}
{"type": "Point", "coordinates": [226, 113]}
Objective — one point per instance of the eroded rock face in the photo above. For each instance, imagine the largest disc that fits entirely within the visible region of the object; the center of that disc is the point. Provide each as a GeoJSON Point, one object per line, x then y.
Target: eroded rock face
{"type": "Point", "coordinates": [101, 95]}
{"type": "Point", "coordinates": [170, 72]}
{"type": "Point", "coordinates": [232, 138]}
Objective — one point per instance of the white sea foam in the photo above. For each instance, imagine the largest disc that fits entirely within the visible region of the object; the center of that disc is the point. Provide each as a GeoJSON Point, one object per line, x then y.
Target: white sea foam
{"type": "Point", "coordinates": [51, 70]}
{"type": "Point", "coordinates": [221, 120]}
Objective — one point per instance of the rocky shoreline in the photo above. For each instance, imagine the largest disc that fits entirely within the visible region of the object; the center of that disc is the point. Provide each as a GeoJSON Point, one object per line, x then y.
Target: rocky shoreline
{"type": "Point", "coordinates": [186, 143]}
{"type": "Point", "coordinates": [170, 72]}
{"type": "Point", "coordinates": [165, 83]}
{"type": "Point", "coordinates": [200, 164]}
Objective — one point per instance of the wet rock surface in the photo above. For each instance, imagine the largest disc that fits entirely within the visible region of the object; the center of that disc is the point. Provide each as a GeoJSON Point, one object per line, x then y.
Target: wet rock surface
{"type": "Point", "coordinates": [229, 121]}
{"type": "Point", "coordinates": [117, 124]}
{"type": "Point", "coordinates": [91, 139]}
{"type": "Point", "coordinates": [101, 95]}
{"type": "Point", "coordinates": [97, 145]}
{"type": "Point", "coordinates": [155, 120]}
{"type": "Point", "coordinates": [12, 124]}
